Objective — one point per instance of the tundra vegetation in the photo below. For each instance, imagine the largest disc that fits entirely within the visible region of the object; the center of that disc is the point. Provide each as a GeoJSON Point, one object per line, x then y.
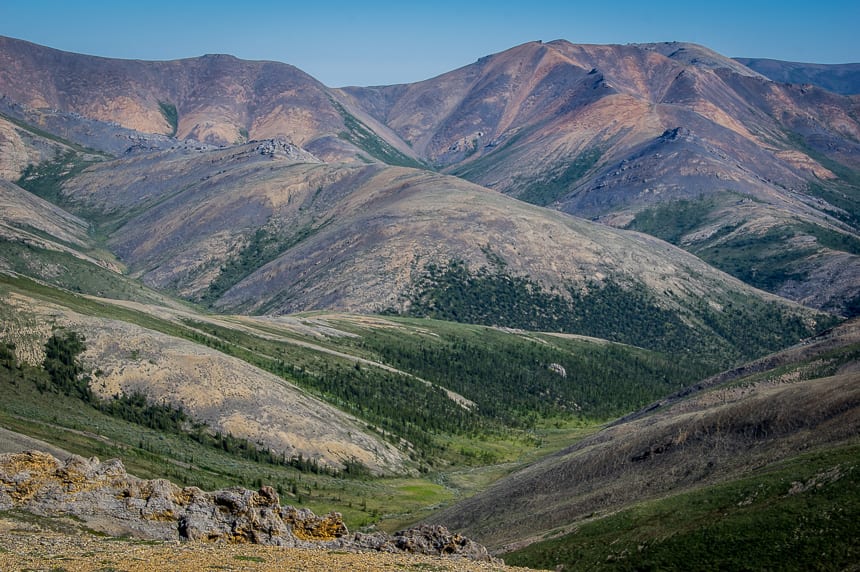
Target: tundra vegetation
{"type": "Point", "coordinates": [474, 372]}
{"type": "Point", "coordinates": [516, 403]}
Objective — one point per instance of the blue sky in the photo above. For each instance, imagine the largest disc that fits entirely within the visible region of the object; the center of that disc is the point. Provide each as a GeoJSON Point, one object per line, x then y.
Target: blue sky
{"type": "Point", "coordinates": [378, 42]}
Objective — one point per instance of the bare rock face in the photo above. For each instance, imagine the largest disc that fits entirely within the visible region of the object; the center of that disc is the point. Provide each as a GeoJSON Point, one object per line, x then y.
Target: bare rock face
{"type": "Point", "coordinates": [106, 497]}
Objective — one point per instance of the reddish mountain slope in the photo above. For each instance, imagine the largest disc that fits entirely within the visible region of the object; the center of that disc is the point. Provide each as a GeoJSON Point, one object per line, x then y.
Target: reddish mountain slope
{"type": "Point", "coordinates": [215, 98]}
{"type": "Point", "coordinates": [629, 135]}
{"type": "Point", "coordinates": [608, 132]}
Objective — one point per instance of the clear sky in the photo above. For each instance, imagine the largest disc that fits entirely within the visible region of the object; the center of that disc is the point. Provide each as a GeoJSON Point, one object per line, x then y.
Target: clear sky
{"type": "Point", "coordinates": [378, 42]}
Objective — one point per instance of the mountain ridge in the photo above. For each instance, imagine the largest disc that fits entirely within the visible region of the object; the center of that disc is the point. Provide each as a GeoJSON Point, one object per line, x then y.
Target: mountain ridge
{"type": "Point", "coordinates": [215, 98]}
{"type": "Point", "coordinates": [839, 78]}
{"type": "Point", "coordinates": [145, 201]}
{"type": "Point", "coordinates": [609, 132]}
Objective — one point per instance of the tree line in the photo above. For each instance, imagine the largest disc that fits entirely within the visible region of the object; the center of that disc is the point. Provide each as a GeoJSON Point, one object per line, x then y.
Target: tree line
{"type": "Point", "coordinates": [66, 375]}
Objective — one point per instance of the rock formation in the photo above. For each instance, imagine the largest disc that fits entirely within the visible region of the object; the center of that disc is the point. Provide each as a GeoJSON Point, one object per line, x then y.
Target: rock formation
{"type": "Point", "coordinates": [109, 499]}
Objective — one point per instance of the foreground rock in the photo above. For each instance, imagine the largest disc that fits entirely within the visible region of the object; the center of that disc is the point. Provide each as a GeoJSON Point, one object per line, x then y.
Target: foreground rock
{"type": "Point", "coordinates": [110, 500]}
{"type": "Point", "coordinates": [30, 542]}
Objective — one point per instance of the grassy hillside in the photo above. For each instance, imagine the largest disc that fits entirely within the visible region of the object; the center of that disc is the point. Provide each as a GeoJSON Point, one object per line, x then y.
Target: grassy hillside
{"type": "Point", "coordinates": [721, 457]}
{"type": "Point", "coordinates": [394, 372]}
{"type": "Point", "coordinates": [364, 138]}
{"type": "Point", "coordinates": [799, 514]}
{"type": "Point", "coordinates": [782, 255]}
{"type": "Point", "coordinates": [520, 377]}
{"type": "Point", "coordinates": [561, 180]}
{"type": "Point", "coordinates": [151, 453]}
{"type": "Point", "coordinates": [44, 180]}
{"type": "Point", "coordinates": [716, 334]}
{"type": "Point", "coordinates": [456, 399]}
{"type": "Point", "coordinates": [67, 271]}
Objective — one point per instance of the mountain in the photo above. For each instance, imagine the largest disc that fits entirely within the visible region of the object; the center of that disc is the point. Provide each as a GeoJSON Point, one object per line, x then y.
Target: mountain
{"type": "Point", "coordinates": [765, 173]}
{"type": "Point", "coordinates": [838, 78]}
{"type": "Point", "coordinates": [223, 271]}
{"type": "Point", "coordinates": [274, 227]}
{"type": "Point", "coordinates": [215, 99]}
{"type": "Point", "coordinates": [267, 228]}
{"type": "Point", "coordinates": [614, 132]}
{"type": "Point", "coordinates": [728, 458]}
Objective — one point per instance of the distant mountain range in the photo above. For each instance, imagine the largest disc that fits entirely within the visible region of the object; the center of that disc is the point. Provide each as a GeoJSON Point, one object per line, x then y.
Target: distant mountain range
{"type": "Point", "coordinates": [266, 272]}
{"type": "Point", "coordinates": [756, 177]}
{"type": "Point", "coordinates": [838, 78]}
{"type": "Point", "coordinates": [624, 134]}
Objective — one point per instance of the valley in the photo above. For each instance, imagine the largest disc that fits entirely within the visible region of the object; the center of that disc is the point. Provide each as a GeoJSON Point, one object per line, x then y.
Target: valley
{"type": "Point", "coordinates": [587, 305]}
{"type": "Point", "coordinates": [367, 366]}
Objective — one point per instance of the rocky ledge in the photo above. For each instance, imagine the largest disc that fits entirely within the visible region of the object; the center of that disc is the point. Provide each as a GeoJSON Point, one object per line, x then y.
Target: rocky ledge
{"type": "Point", "coordinates": [110, 500]}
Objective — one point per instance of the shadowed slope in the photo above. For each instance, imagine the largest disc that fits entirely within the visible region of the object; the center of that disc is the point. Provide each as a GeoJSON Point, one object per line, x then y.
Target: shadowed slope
{"type": "Point", "coordinates": [838, 78]}
{"type": "Point", "coordinates": [805, 399]}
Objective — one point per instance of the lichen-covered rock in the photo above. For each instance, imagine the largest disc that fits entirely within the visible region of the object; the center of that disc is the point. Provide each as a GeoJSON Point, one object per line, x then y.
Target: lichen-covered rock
{"type": "Point", "coordinates": [235, 515]}
{"type": "Point", "coordinates": [156, 508]}
{"type": "Point", "coordinates": [433, 540]}
{"type": "Point", "coordinates": [308, 526]}
{"type": "Point", "coordinates": [105, 496]}
{"type": "Point", "coordinates": [438, 540]}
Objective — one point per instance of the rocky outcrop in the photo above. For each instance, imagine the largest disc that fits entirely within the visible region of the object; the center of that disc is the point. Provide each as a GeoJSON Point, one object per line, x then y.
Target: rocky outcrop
{"type": "Point", "coordinates": [107, 498]}
{"type": "Point", "coordinates": [425, 539]}
{"type": "Point", "coordinates": [283, 148]}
